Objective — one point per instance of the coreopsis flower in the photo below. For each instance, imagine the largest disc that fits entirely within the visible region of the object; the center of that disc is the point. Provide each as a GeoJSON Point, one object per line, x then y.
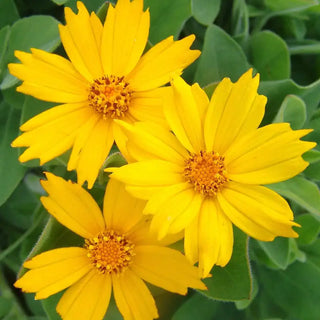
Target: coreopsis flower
{"type": "Point", "coordinates": [117, 255]}
{"type": "Point", "coordinates": [206, 173]}
{"type": "Point", "coordinates": [105, 79]}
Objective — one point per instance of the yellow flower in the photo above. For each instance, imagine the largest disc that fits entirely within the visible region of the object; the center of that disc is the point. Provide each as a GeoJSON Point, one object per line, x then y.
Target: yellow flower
{"type": "Point", "coordinates": [118, 253]}
{"type": "Point", "coordinates": [105, 79]}
{"type": "Point", "coordinates": [205, 174]}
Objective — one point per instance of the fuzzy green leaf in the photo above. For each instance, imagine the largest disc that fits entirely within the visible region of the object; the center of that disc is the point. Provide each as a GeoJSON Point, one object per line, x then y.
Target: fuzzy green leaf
{"type": "Point", "coordinates": [270, 56]}
{"type": "Point", "coordinates": [39, 32]}
{"type": "Point", "coordinates": [292, 110]}
{"type": "Point", "coordinates": [302, 191]}
{"type": "Point", "coordinates": [205, 11]}
{"type": "Point", "coordinates": [221, 57]}
{"type": "Point", "coordinates": [167, 18]}
{"type": "Point", "coordinates": [232, 282]}
{"type": "Point", "coordinates": [11, 171]}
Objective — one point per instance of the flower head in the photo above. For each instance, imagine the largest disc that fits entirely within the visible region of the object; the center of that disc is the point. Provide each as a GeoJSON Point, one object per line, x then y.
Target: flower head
{"type": "Point", "coordinates": [107, 78]}
{"type": "Point", "coordinates": [118, 252]}
{"type": "Point", "coordinates": [206, 172]}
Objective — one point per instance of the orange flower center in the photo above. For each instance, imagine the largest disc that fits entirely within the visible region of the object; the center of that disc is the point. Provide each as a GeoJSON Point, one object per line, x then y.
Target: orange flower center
{"type": "Point", "coordinates": [110, 252]}
{"type": "Point", "coordinates": [206, 172]}
{"type": "Point", "coordinates": [110, 96]}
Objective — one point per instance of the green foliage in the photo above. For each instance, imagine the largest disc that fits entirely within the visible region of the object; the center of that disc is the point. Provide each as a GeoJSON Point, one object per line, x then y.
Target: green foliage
{"type": "Point", "coordinates": [278, 39]}
{"type": "Point", "coordinates": [176, 14]}
{"type": "Point", "coordinates": [221, 56]}
{"type": "Point", "coordinates": [233, 282]}
{"type": "Point", "coordinates": [11, 172]}
{"type": "Point", "coordinates": [292, 110]}
{"type": "Point", "coordinates": [205, 11]}
{"type": "Point", "coordinates": [39, 32]}
{"type": "Point", "coordinates": [273, 63]}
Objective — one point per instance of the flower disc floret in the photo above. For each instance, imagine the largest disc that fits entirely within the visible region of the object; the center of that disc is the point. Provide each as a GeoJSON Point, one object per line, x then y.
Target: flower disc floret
{"type": "Point", "coordinates": [110, 252]}
{"type": "Point", "coordinates": [110, 96]}
{"type": "Point", "coordinates": [206, 172]}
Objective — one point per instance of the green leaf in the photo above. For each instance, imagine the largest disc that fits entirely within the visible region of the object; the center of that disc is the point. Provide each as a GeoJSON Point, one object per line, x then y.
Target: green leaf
{"type": "Point", "coordinates": [202, 308]}
{"type": "Point", "coordinates": [243, 304]}
{"type": "Point", "coordinates": [288, 6]}
{"type": "Point", "coordinates": [59, 2]}
{"type": "Point", "coordinates": [310, 229]}
{"type": "Point", "coordinates": [277, 90]}
{"type": "Point", "coordinates": [270, 56]}
{"type": "Point", "coordinates": [39, 32]}
{"type": "Point", "coordinates": [91, 5]}
{"type": "Point", "coordinates": [295, 290]}
{"type": "Point", "coordinates": [14, 98]}
{"type": "Point", "coordinates": [312, 156]}
{"type": "Point", "coordinates": [313, 171]}
{"type": "Point", "coordinates": [277, 251]}
{"type": "Point", "coordinates": [197, 307]}
{"type": "Point", "coordinates": [4, 38]}
{"type": "Point", "coordinates": [54, 235]}
{"type": "Point", "coordinates": [240, 20]}
{"type": "Point", "coordinates": [11, 171]}
{"type": "Point", "coordinates": [305, 193]}
{"type": "Point", "coordinates": [49, 306]}
{"type": "Point", "coordinates": [205, 11]}
{"type": "Point", "coordinates": [221, 57]}
{"type": "Point", "coordinates": [233, 282]}
{"type": "Point", "coordinates": [292, 110]}
{"type": "Point", "coordinates": [8, 13]}
{"type": "Point", "coordinates": [5, 306]}
{"type": "Point", "coordinates": [167, 18]}
{"type": "Point", "coordinates": [305, 47]}
{"type": "Point", "coordinates": [17, 211]}
{"type": "Point", "coordinates": [34, 305]}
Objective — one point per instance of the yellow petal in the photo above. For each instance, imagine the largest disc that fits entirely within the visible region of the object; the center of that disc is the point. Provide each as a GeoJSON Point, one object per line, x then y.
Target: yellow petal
{"type": "Point", "coordinates": [235, 109]}
{"type": "Point", "coordinates": [121, 210]}
{"type": "Point", "coordinates": [142, 235]}
{"type": "Point", "coordinates": [258, 211]}
{"type": "Point", "coordinates": [51, 115]}
{"type": "Point", "coordinates": [184, 110]}
{"type": "Point", "coordinates": [169, 205]}
{"type": "Point", "coordinates": [201, 100]}
{"type": "Point", "coordinates": [133, 298]}
{"type": "Point", "coordinates": [166, 268]}
{"type": "Point", "coordinates": [81, 139]}
{"type": "Point", "coordinates": [191, 240]}
{"type": "Point", "coordinates": [94, 151]}
{"type": "Point", "coordinates": [50, 71]}
{"type": "Point", "coordinates": [215, 237]}
{"type": "Point", "coordinates": [52, 138]}
{"type": "Point", "coordinates": [42, 92]}
{"type": "Point", "coordinates": [268, 155]}
{"type": "Point", "coordinates": [148, 141]}
{"type": "Point", "coordinates": [81, 38]}
{"type": "Point", "coordinates": [53, 271]}
{"type": "Point", "coordinates": [125, 35]}
{"type": "Point", "coordinates": [163, 61]}
{"type": "Point", "coordinates": [121, 140]}
{"type": "Point", "coordinates": [148, 105]}
{"type": "Point", "coordinates": [144, 193]}
{"type": "Point", "coordinates": [150, 173]}
{"type": "Point", "coordinates": [72, 206]}
{"type": "Point", "coordinates": [186, 217]}
{"type": "Point", "coordinates": [87, 299]}
{"type": "Point", "coordinates": [184, 116]}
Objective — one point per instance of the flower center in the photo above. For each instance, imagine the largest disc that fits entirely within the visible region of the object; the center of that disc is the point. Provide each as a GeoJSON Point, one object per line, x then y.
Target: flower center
{"type": "Point", "coordinates": [110, 252]}
{"type": "Point", "coordinates": [110, 96]}
{"type": "Point", "coordinates": [206, 171]}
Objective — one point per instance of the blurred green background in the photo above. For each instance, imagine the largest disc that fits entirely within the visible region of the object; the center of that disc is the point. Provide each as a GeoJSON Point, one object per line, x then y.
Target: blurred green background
{"type": "Point", "coordinates": [281, 41]}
